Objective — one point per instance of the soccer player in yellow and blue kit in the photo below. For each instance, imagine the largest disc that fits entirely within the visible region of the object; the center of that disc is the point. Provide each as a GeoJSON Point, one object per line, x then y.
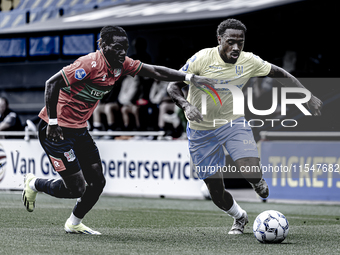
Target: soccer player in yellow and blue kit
{"type": "Point", "coordinates": [208, 136]}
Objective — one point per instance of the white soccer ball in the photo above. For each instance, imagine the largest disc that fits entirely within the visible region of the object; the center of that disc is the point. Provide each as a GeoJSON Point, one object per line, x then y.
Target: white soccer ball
{"type": "Point", "coordinates": [270, 227]}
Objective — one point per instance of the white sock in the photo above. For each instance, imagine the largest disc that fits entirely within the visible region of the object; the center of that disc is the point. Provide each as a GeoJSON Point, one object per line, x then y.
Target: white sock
{"type": "Point", "coordinates": [31, 184]}
{"type": "Point", "coordinates": [235, 211]}
{"type": "Point", "coordinates": [74, 220]}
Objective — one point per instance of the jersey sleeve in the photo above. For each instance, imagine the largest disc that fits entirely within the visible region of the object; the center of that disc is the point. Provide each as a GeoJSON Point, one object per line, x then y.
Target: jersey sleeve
{"type": "Point", "coordinates": [192, 66]}
{"type": "Point", "coordinates": [131, 67]}
{"type": "Point", "coordinates": [79, 70]}
{"type": "Point", "coordinates": [260, 67]}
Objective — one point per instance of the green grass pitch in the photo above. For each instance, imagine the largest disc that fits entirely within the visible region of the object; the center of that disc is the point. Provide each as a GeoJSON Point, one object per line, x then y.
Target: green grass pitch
{"type": "Point", "coordinates": [160, 226]}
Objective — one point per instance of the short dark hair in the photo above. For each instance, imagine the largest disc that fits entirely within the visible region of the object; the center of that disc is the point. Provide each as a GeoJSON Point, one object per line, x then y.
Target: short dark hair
{"type": "Point", "coordinates": [108, 32]}
{"type": "Point", "coordinates": [230, 24]}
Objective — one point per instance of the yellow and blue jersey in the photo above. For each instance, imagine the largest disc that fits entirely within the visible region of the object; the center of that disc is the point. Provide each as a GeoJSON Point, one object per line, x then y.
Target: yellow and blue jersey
{"type": "Point", "coordinates": [208, 63]}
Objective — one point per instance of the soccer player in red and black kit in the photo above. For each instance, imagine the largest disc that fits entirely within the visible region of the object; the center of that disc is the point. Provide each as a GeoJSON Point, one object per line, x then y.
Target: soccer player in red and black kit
{"type": "Point", "coordinates": [71, 95]}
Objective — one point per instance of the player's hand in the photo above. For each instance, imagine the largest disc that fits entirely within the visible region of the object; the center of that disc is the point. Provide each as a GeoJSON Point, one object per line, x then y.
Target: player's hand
{"type": "Point", "coordinates": [315, 106]}
{"type": "Point", "coordinates": [200, 81]}
{"type": "Point", "coordinates": [54, 133]}
{"type": "Point", "coordinates": [192, 113]}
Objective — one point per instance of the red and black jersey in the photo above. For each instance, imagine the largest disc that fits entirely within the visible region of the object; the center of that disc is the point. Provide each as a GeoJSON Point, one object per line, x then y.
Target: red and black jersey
{"type": "Point", "coordinates": [88, 79]}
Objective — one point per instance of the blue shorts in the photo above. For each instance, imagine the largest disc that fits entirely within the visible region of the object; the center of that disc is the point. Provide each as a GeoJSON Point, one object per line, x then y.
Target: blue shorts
{"type": "Point", "coordinates": [207, 146]}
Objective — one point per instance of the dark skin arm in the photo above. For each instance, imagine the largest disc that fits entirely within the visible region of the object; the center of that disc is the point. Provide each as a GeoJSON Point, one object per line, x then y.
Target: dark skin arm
{"type": "Point", "coordinates": [174, 88]}
{"type": "Point", "coordinates": [288, 80]}
{"type": "Point", "coordinates": [52, 89]}
{"type": "Point", "coordinates": [175, 91]}
{"type": "Point", "coordinates": [163, 73]}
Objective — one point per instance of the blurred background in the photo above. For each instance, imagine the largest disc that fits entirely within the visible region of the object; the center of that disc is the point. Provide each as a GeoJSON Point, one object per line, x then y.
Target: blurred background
{"type": "Point", "coordinates": [38, 38]}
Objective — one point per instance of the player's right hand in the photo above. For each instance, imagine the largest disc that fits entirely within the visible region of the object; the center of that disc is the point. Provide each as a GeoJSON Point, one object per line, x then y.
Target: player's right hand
{"type": "Point", "coordinates": [200, 81]}
{"type": "Point", "coordinates": [192, 113]}
{"type": "Point", "coordinates": [54, 133]}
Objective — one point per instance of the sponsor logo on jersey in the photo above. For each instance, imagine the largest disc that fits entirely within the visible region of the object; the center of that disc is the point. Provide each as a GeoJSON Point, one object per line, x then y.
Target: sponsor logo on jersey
{"type": "Point", "coordinates": [117, 72]}
{"type": "Point", "coordinates": [80, 74]}
{"type": "Point", "coordinates": [70, 156]}
{"type": "Point", "coordinates": [239, 70]}
{"type": "Point", "coordinates": [98, 93]}
{"type": "Point", "coordinates": [215, 67]}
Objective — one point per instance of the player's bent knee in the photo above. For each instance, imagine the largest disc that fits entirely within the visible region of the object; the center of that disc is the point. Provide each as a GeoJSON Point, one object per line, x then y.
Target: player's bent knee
{"type": "Point", "coordinates": [75, 183]}
{"type": "Point", "coordinates": [99, 181]}
{"type": "Point", "coordinates": [99, 185]}
{"type": "Point", "coordinates": [78, 191]}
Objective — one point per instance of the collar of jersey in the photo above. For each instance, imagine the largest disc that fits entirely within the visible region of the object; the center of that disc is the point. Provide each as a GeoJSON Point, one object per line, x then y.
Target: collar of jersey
{"type": "Point", "coordinates": [107, 62]}
{"type": "Point", "coordinates": [222, 61]}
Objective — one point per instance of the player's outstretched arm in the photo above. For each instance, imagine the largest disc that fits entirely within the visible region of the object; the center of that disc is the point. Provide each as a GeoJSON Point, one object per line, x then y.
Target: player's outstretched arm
{"type": "Point", "coordinates": [163, 73]}
{"type": "Point", "coordinates": [288, 80]}
{"type": "Point", "coordinates": [174, 89]}
{"type": "Point", "coordinates": [175, 92]}
{"type": "Point", "coordinates": [52, 89]}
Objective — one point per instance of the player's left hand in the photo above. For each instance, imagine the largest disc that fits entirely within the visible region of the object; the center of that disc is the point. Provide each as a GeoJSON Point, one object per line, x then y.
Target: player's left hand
{"type": "Point", "coordinates": [192, 113]}
{"type": "Point", "coordinates": [315, 106]}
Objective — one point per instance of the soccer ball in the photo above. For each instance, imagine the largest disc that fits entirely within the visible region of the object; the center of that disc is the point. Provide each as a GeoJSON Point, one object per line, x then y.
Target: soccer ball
{"type": "Point", "coordinates": [270, 227]}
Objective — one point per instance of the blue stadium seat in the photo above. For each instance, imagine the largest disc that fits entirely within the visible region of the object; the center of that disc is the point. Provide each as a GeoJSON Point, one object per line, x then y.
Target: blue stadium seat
{"type": "Point", "coordinates": [12, 19]}
{"type": "Point", "coordinates": [25, 4]}
{"type": "Point", "coordinates": [42, 14]}
{"type": "Point", "coordinates": [40, 10]}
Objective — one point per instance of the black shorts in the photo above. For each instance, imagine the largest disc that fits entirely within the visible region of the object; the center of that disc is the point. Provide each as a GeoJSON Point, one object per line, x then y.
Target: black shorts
{"type": "Point", "coordinates": [75, 152]}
